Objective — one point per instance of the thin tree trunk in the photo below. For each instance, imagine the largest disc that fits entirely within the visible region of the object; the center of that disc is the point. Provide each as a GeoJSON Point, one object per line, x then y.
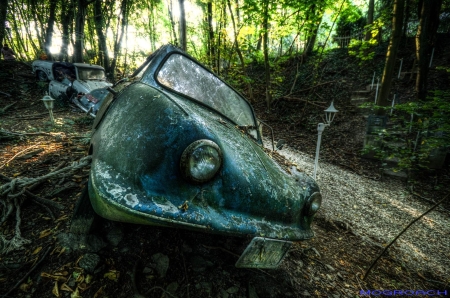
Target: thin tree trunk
{"type": "Point", "coordinates": [238, 50]}
{"type": "Point", "coordinates": [79, 31]}
{"type": "Point", "coordinates": [370, 18]}
{"type": "Point", "coordinates": [211, 49]}
{"type": "Point", "coordinates": [386, 80]}
{"type": "Point", "coordinates": [183, 37]}
{"type": "Point", "coordinates": [99, 28]}
{"type": "Point", "coordinates": [119, 37]}
{"type": "Point", "coordinates": [3, 11]}
{"type": "Point", "coordinates": [172, 23]}
{"type": "Point", "coordinates": [266, 52]}
{"type": "Point", "coordinates": [429, 22]}
{"type": "Point", "coordinates": [67, 12]}
{"type": "Point", "coordinates": [50, 29]}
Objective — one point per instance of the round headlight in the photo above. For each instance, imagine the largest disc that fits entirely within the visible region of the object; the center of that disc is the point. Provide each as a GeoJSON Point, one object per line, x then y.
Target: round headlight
{"type": "Point", "coordinates": [314, 203]}
{"type": "Point", "coordinates": [201, 160]}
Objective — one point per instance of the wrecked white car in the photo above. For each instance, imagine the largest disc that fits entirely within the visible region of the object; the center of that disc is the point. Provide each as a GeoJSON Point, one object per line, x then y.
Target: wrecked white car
{"type": "Point", "coordinates": [71, 81]}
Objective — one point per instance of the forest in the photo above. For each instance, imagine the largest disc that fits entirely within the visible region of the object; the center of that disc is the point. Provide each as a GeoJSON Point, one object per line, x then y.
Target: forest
{"type": "Point", "coordinates": [383, 172]}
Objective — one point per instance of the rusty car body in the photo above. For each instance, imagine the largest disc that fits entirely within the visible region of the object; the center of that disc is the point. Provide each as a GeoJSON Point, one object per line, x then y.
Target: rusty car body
{"type": "Point", "coordinates": [176, 146]}
{"type": "Point", "coordinates": [73, 81]}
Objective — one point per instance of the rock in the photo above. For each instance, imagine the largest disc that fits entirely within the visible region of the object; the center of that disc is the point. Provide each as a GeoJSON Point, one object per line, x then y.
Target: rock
{"type": "Point", "coordinates": [252, 292]}
{"type": "Point", "coordinates": [233, 290]}
{"type": "Point", "coordinates": [115, 235]}
{"type": "Point", "coordinates": [329, 267]}
{"type": "Point", "coordinates": [89, 262]}
{"type": "Point", "coordinates": [161, 264]}
{"type": "Point", "coordinates": [224, 294]}
{"type": "Point", "coordinates": [171, 288]}
{"type": "Point", "coordinates": [199, 264]}
{"type": "Point", "coordinates": [74, 242]}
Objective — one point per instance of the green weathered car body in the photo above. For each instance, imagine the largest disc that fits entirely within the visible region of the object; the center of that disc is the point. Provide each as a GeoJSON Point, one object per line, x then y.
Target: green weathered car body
{"type": "Point", "coordinates": [141, 133]}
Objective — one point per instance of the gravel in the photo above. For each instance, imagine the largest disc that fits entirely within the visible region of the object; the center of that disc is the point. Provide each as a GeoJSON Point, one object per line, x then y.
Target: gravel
{"type": "Point", "coordinates": [379, 210]}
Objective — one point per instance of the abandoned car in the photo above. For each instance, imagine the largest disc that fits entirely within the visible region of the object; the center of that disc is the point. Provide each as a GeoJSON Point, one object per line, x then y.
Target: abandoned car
{"type": "Point", "coordinates": [176, 146]}
{"type": "Point", "coordinates": [74, 82]}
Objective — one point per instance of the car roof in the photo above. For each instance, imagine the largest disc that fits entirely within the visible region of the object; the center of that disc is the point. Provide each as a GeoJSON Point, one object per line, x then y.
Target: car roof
{"type": "Point", "coordinates": [88, 65]}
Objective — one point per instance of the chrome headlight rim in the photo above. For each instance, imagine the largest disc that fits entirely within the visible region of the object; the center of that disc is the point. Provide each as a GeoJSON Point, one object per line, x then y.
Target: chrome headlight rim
{"type": "Point", "coordinates": [189, 153]}
{"type": "Point", "coordinates": [314, 203]}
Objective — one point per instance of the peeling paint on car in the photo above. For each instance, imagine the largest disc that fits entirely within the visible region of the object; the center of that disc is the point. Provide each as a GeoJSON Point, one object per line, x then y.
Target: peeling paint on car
{"type": "Point", "coordinates": [136, 174]}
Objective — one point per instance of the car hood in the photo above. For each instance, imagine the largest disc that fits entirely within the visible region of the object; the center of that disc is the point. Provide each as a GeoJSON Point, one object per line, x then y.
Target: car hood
{"type": "Point", "coordinates": [88, 86]}
{"type": "Point", "coordinates": [136, 177]}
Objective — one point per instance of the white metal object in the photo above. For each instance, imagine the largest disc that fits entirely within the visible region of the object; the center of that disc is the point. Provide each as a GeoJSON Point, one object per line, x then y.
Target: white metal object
{"type": "Point", "coordinates": [320, 129]}
{"type": "Point", "coordinates": [373, 80]}
{"type": "Point", "coordinates": [431, 59]}
{"type": "Point", "coordinates": [393, 104]}
{"type": "Point", "coordinates": [330, 113]}
{"type": "Point", "coordinates": [376, 92]}
{"type": "Point", "coordinates": [49, 103]}
{"type": "Point", "coordinates": [411, 122]}
{"type": "Point", "coordinates": [400, 69]}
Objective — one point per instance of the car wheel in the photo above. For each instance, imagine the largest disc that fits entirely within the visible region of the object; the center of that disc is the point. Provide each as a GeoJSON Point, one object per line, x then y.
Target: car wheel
{"type": "Point", "coordinates": [41, 76]}
{"type": "Point", "coordinates": [84, 216]}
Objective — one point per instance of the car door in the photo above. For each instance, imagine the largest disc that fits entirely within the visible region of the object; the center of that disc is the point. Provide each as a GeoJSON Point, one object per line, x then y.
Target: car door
{"type": "Point", "coordinates": [58, 90]}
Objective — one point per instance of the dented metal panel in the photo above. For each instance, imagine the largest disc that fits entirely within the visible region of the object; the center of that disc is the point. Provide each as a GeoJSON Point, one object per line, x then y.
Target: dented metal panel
{"type": "Point", "coordinates": [136, 176]}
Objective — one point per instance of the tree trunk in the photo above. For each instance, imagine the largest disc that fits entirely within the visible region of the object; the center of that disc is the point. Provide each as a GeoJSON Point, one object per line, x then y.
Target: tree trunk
{"type": "Point", "coordinates": [183, 40]}
{"type": "Point", "coordinates": [172, 23]}
{"type": "Point", "coordinates": [266, 51]}
{"type": "Point", "coordinates": [386, 80]}
{"type": "Point", "coordinates": [3, 11]}
{"type": "Point", "coordinates": [312, 39]}
{"type": "Point", "coordinates": [119, 37]}
{"type": "Point", "coordinates": [428, 25]}
{"type": "Point", "coordinates": [99, 29]}
{"type": "Point", "coordinates": [79, 31]}
{"type": "Point", "coordinates": [49, 31]}
{"type": "Point", "coordinates": [370, 12]}
{"type": "Point", "coordinates": [211, 49]}
{"type": "Point", "coordinates": [67, 24]}
{"type": "Point", "coordinates": [238, 50]}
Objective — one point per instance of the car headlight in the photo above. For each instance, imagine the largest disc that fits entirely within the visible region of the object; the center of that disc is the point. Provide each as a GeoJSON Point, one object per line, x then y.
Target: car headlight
{"type": "Point", "coordinates": [314, 203]}
{"type": "Point", "coordinates": [201, 160]}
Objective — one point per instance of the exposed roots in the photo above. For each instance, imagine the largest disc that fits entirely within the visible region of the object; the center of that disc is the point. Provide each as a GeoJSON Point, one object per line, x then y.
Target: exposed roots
{"type": "Point", "coordinates": [14, 193]}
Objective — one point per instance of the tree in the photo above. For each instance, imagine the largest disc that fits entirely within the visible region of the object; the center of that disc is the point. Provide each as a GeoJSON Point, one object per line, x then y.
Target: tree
{"type": "Point", "coordinates": [49, 31]}
{"type": "Point", "coordinates": [370, 13]}
{"type": "Point", "coordinates": [3, 10]}
{"type": "Point", "coordinates": [386, 80]}
{"type": "Point", "coordinates": [266, 52]}
{"type": "Point", "coordinates": [183, 37]}
{"type": "Point", "coordinates": [99, 28]}
{"type": "Point", "coordinates": [428, 25]}
{"type": "Point", "coordinates": [67, 11]}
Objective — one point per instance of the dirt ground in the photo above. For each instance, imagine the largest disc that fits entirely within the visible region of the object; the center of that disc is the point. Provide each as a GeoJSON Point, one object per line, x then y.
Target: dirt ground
{"type": "Point", "coordinates": [125, 260]}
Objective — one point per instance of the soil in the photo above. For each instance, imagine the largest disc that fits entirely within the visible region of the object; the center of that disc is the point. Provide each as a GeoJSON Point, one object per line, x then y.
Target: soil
{"type": "Point", "coordinates": [125, 260]}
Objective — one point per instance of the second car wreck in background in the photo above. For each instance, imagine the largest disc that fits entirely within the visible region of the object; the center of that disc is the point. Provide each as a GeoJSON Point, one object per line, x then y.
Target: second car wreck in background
{"type": "Point", "coordinates": [79, 83]}
{"type": "Point", "coordinates": [176, 146]}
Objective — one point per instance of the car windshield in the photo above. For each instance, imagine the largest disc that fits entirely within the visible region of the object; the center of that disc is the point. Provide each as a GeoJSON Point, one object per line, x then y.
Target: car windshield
{"type": "Point", "coordinates": [189, 78]}
{"type": "Point", "coordinates": [85, 73]}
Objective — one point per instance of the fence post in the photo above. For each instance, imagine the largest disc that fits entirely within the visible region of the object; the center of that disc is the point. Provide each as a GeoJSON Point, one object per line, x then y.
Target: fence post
{"type": "Point", "coordinates": [400, 69]}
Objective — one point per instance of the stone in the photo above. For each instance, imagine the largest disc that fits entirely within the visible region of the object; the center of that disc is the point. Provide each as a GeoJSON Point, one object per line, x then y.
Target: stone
{"type": "Point", "coordinates": [161, 262]}
{"type": "Point", "coordinates": [115, 235]}
{"type": "Point", "coordinates": [89, 262]}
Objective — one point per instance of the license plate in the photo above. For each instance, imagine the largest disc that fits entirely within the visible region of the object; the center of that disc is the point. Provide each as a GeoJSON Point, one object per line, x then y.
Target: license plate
{"type": "Point", "coordinates": [263, 253]}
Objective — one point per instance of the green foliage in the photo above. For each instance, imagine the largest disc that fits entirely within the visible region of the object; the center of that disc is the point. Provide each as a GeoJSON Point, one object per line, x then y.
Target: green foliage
{"type": "Point", "coordinates": [365, 50]}
{"type": "Point", "coordinates": [351, 21]}
{"type": "Point", "coordinates": [414, 140]}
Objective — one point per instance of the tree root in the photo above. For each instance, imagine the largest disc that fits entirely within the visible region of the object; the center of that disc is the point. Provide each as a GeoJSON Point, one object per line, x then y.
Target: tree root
{"type": "Point", "coordinates": [15, 192]}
